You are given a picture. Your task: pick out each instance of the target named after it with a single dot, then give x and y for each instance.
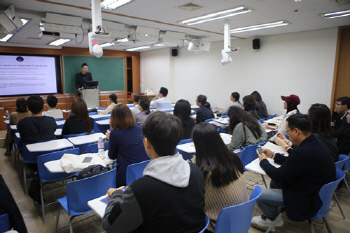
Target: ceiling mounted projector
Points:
(9, 20)
(198, 45)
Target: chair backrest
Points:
(59, 119)
(31, 157)
(79, 192)
(347, 164)
(135, 171)
(93, 148)
(163, 106)
(249, 154)
(184, 154)
(93, 113)
(4, 223)
(44, 174)
(326, 194)
(207, 221)
(237, 218)
(261, 120)
(341, 162)
(73, 135)
(240, 153)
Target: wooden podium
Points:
(91, 97)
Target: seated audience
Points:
(135, 109)
(160, 102)
(249, 105)
(204, 112)
(79, 121)
(261, 106)
(37, 127)
(235, 99)
(125, 141)
(112, 102)
(245, 129)
(51, 100)
(320, 116)
(183, 111)
(170, 195)
(20, 113)
(144, 111)
(290, 103)
(340, 125)
(225, 183)
(301, 177)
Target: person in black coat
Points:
(182, 110)
(302, 174)
(82, 77)
(249, 105)
(204, 112)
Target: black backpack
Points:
(91, 171)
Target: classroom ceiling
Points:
(302, 15)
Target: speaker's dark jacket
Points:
(81, 78)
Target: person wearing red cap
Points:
(290, 103)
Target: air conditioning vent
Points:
(192, 7)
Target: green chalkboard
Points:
(109, 72)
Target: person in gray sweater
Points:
(245, 129)
(261, 106)
(144, 111)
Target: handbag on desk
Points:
(91, 171)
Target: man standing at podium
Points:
(82, 77)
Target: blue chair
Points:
(46, 176)
(184, 154)
(82, 147)
(326, 194)
(29, 158)
(261, 120)
(79, 192)
(101, 128)
(4, 223)
(207, 221)
(93, 113)
(135, 171)
(240, 153)
(347, 164)
(249, 155)
(234, 219)
(73, 135)
(59, 119)
(270, 117)
(340, 165)
(94, 149)
(101, 109)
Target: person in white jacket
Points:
(290, 103)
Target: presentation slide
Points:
(27, 75)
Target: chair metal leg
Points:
(279, 216)
(336, 200)
(70, 224)
(311, 226)
(347, 185)
(24, 179)
(263, 178)
(58, 218)
(42, 203)
(327, 225)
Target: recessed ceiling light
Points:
(258, 27)
(336, 14)
(6, 38)
(139, 48)
(216, 15)
(24, 21)
(113, 4)
(107, 44)
(59, 42)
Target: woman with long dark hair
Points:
(261, 106)
(182, 110)
(79, 121)
(245, 129)
(144, 111)
(125, 141)
(249, 105)
(225, 183)
(291, 105)
(204, 112)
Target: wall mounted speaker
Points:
(174, 52)
(256, 44)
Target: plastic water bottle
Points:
(100, 146)
(7, 115)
